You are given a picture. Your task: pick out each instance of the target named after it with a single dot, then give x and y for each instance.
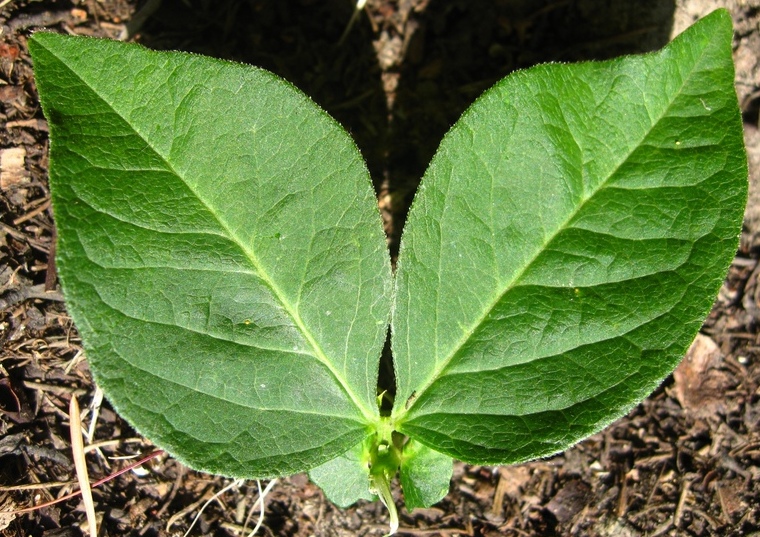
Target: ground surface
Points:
(684, 462)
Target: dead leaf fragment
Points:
(729, 494)
(700, 385)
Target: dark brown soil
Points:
(684, 462)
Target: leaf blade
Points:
(345, 479)
(556, 206)
(196, 223)
(425, 475)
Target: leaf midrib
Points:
(263, 275)
(398, 418)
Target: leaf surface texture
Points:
(565, 246)
(221, 253)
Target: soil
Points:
(686, 461)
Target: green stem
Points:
(380, 484)
(384, 461)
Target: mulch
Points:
(686, 461)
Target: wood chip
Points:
(7, 508)
(12, 170)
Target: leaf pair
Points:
(223, 258)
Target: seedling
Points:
(221, 253)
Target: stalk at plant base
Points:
(385, 458)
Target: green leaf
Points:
(564, 247)
(425, 475)
(221, 254)
(345, 479)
